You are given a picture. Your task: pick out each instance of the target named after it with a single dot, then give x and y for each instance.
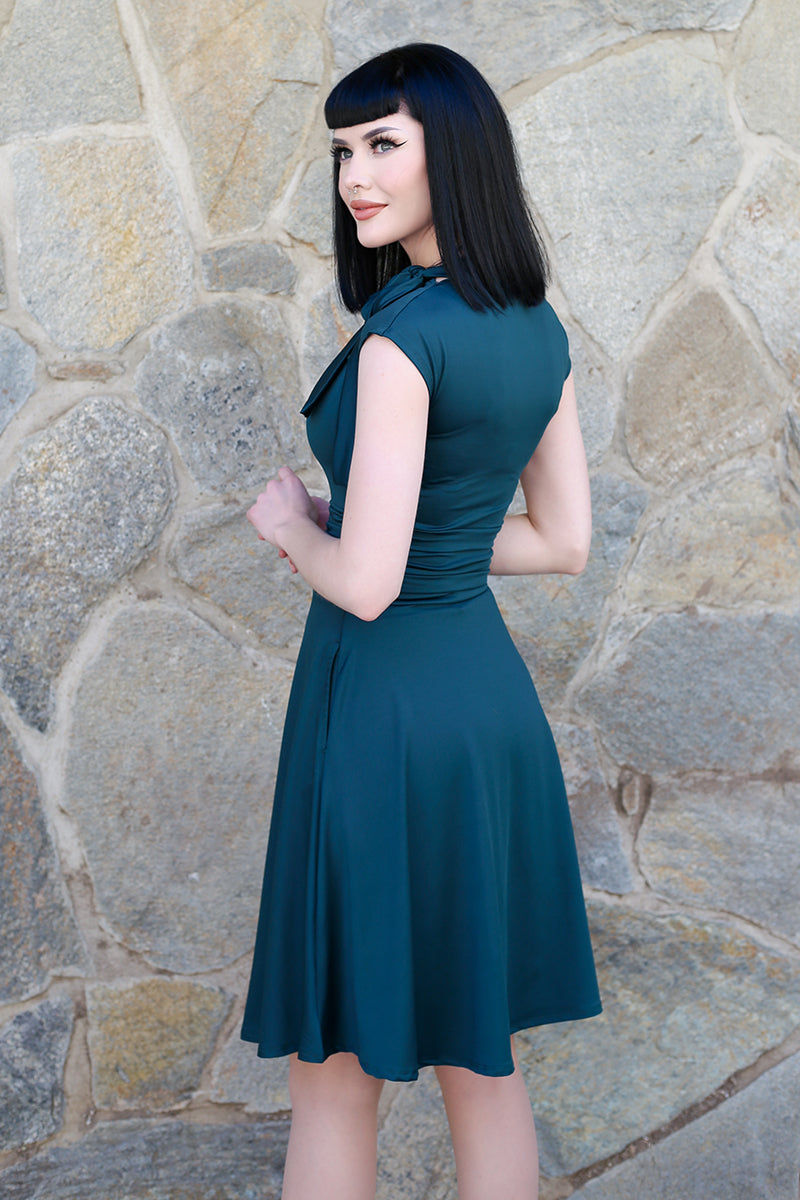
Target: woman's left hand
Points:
(284, 501)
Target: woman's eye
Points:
(383, 144)
(341, 153)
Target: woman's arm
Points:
(553, 536)
(362, 571)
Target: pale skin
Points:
(332, 1146)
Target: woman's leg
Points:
(494, 1140)
(333, 1138)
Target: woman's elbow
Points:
(370, 602)
(576, 554)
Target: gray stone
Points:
(601, 851)
(414, 1144)
(86, 503)
(686, 1003)
(259, 265)
(64, 63)
(692, 691)
(714, 396)
(100, 223)
(223, 379)
(727, 844)
(329, 327)
(239, 1076)
(17, 367)
(760, 254)
(733, 540)
(768, 48)
(3, 296)
(33, 1050)
(218, 554)
(597, 406)
(38, 933)
(554, 34)
(242, 139)
(747, 1147)
(554, 619)
(169, 773)
(150, 1040)
(168, 1160)
(310, 217)
(627, 162)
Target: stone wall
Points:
(166, 301)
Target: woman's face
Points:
(383, 180)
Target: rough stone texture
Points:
(686, 1004)
(84, 506)
(263, 266)
(554, 34)
(768, 49)
(149, 1041)
(17, 366)
(224, 380)
(174, 820)
(33, 1050)
(310, 214)
(243, 127)
(597, 406)
(170, 1160)
(218, 554)
(554, 619)
(748, 1147)
(627, 162)
(64, 63)
(727, 844)
(241, 1077)
(99, 223)
(414, 1154)
(692, 691)
(734, 540)
(760, 254)
(3, 296)
(328, 328)
(697, 393)
(601, 851)
(37, 932)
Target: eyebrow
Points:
(366, 136)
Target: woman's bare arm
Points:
(553, 535)
(362, 571)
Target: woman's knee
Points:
(339, 1081)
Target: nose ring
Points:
(354, 189)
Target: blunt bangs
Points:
(367, 94)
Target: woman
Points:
(421, 898)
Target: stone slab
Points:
(554, 619)
(715, 398)
(602, 854)
(85, 505)
(38, 934)
(760, 254)
(167, 1160)
(726, 843)
(64, 63)
(768, 48)
(33, 1050)
(171, 762)
(99, 222)
(747, 1147)
(262, 266)
(695, 691)
(597, 404)
(17, 367)
(733, 540)
(218, 554)
(223, 379)
(3, 293)
(686, 1004)
(239, 1076)
(242, 139)
(311, 213)
(414, 1152)
(149, 1041)
(627, 162)
(328, 327)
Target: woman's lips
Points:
(363, 210)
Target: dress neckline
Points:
(408, 280)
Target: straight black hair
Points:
(490, 247)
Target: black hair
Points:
(490, 247)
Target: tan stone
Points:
(103, 251)
(310, 214)
(328, 328)
(242, 77)
(149, 1041)
(697, 393)
(734, 540)
(768, 54)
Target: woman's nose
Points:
(352, 175)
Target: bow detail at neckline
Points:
(405, 281)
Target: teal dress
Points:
(421, 896)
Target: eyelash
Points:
(380, 139)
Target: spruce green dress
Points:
(421, 896)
